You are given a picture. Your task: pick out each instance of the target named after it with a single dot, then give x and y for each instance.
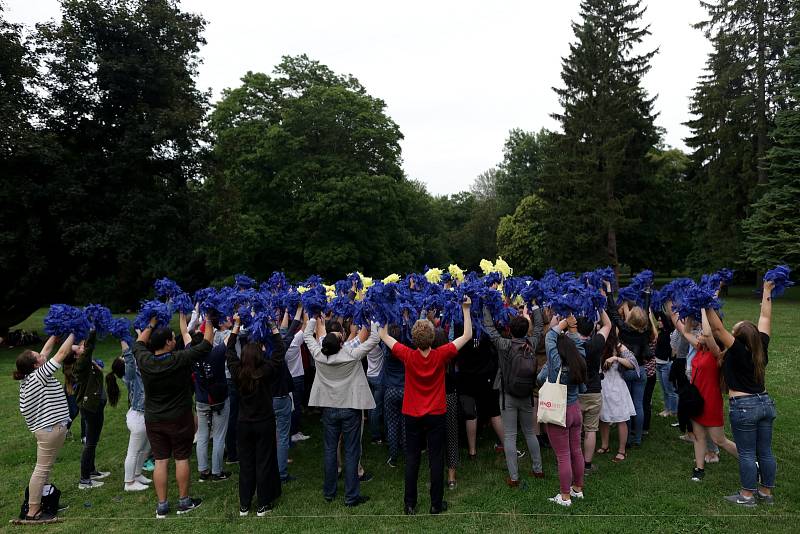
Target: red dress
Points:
(705, 376)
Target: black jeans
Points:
(94, 426)
(648, 400)
(231, 449)
(430, 428)
(258, 463)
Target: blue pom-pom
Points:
(182, 303)
(260, 329)
(277, 282)
(780, 277)
(384, 301)
(353, 277)
(628, 294)
(121, 329)
(341, 306)
(201, 295)
(694, 298)
(362, 313)
(244, 282)
(62, 320)
(314, 300)
(725, 275)
(312, 281)
(153, 308)
(492, 278)
(342, 288)
(493, 301)
(643, 280)
(166, 288)
(100, 318)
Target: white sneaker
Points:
(295, 437)
(559, 500)
(141, 479)
(90, 485)
(99, 475)
(576, 494)
(136, 486)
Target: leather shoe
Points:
(435, 510)
(361, 499)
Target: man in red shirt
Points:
(424, 403)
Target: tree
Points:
(594, 175)
(520, 237)
(521, 168)
(734, 105)
(773, 228)
(27, 229)
(311, 163)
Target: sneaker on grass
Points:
(560, 500)
(188, 504)
(89, 484)
(741, 500)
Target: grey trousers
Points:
(519, 409)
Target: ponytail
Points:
(112, 388)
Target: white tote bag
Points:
(553, 402)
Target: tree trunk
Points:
(761, 93)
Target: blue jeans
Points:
(376, 414)
(283, 422)
(297, 395)
(667, 389)
(347, 423)
(211, 425)
(751, 422)
(636, 383)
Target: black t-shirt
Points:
(738, 368)
(477, 364)
(593, 348)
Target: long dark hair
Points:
(251, 371)
(748, 334)
(112, 388)
(572, 358)
(610, 348)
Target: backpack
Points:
(216, 387)
(519, 369)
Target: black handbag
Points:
(50, 501)
(690, 402)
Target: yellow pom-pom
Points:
(366, 280)
(302, 289)
(392, 279)
(486, 266)
(455, 272)
(330, 291)
(502, 267)
(434, 275)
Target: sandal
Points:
(616, 458)
(602, 450)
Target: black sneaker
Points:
(434, 510)
(366, 477)
(410, 510)
(391, 462)
(223, 475)
(243, 511)
(698, 474)
(361, 499)
(204, 477)
(186, 507)
(263, 510)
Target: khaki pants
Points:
(48, 442)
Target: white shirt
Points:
(294, 358)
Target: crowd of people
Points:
(410, 384)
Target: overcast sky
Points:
(455, 75)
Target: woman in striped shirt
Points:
(44, 405)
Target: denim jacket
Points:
(133, 381)
(550, 370)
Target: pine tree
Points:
(593, 177)
(773, 229)
(734, 104)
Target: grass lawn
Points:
(651, 491)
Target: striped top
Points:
(41, 398)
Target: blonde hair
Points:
(637, 319)
(422, 334)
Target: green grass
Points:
(651, 491)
